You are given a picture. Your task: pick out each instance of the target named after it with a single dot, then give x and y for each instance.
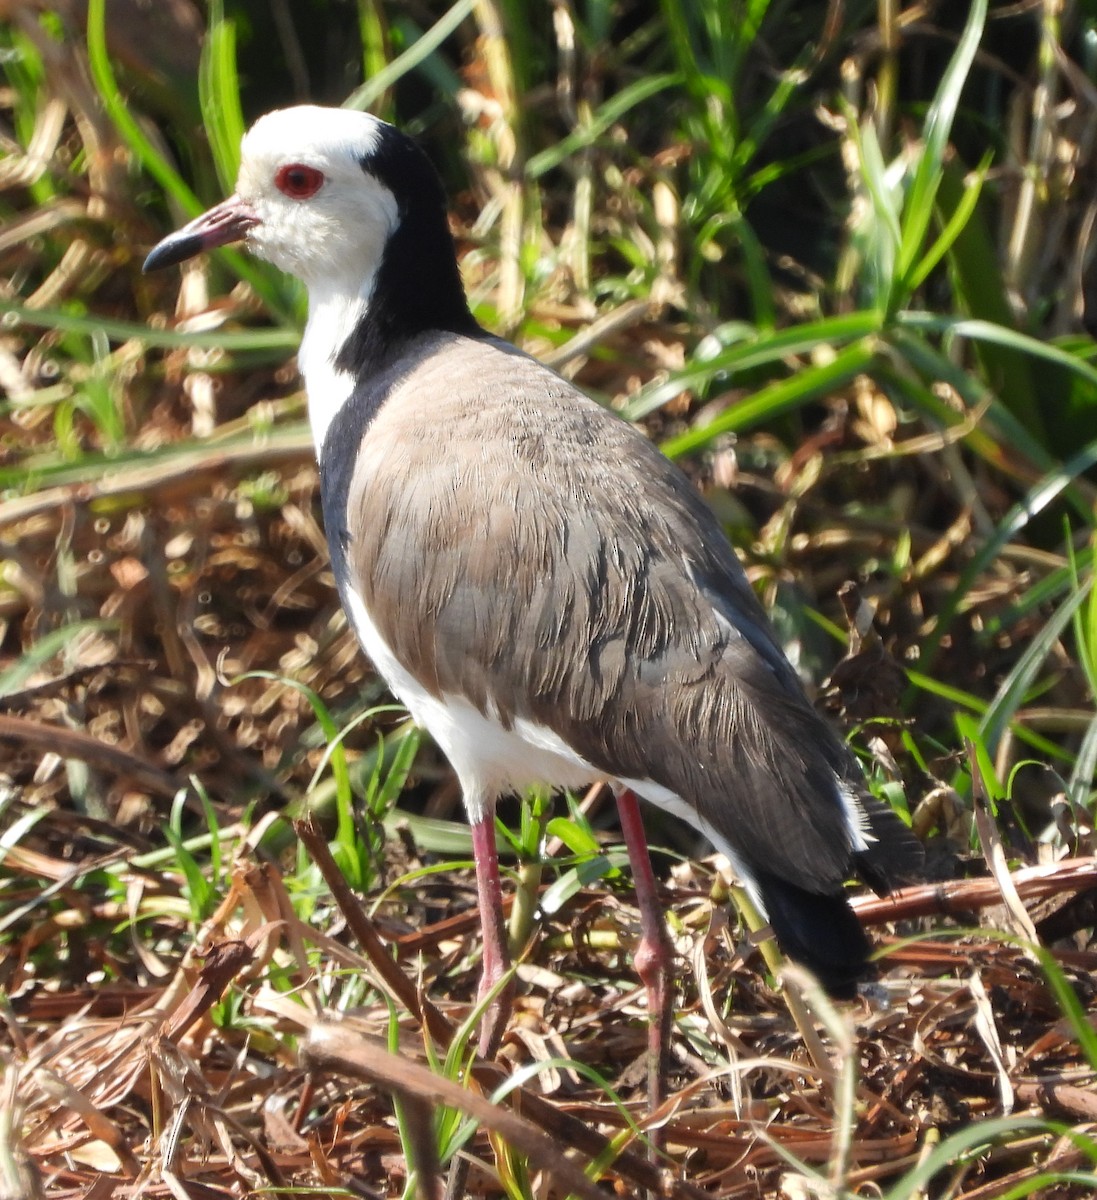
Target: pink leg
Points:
(496, 961)
(654, 955)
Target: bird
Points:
(549, 595)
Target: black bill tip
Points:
(226, 222)
(175, 248)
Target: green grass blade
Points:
(388, 792)
(999, 335)
(214, 827)
(977, 1137)
(15, 676)
(963, 699)
(345, 832)
(364, 97)
(283, 339)
(778, 398)
(579, 840)
(751, 352)
(877, 233)
(956, 222)
(918, 210)
(198, 888)
(1066, 997)
(1085, 618)
(1014, 688)
(576, 878)
(1036, 501)
(17, 829)
(102, 74)
(219, 94)
(981, 291)
(1080, 786)
(605, 116)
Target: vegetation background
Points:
(838, 259)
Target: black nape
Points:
(418, 287)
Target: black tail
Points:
(818, 931)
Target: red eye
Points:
(298, 181)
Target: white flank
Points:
(489, 760)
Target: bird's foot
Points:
(654, 962)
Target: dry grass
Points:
(227, 1072)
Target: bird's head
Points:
(354, 209)
(319, 194)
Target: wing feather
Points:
(520, 546)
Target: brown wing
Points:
(518, 545)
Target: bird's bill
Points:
(226, 222)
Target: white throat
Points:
(333, 315)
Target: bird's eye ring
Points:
(298, 181)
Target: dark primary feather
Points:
(518, 545)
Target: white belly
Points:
(490, 760)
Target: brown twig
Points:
(72, 743)
(368, 938)
(956, 896)
(334, 1047)
(224, 961)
